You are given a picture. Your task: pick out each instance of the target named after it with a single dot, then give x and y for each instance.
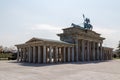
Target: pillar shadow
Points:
(37, 64)
(89, 62)
(53, 64)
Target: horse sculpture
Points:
(87, 24)
(74, 25)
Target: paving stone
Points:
(109, 70)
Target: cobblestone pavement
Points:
(109, 70)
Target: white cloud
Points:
(8, 40)
(44, 31)
(45, 27)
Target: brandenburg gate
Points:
(76, 44)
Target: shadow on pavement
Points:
(53, 64)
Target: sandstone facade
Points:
(76, 44)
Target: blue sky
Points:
(21, 20)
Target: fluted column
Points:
(68, 54)
(21, 55)
(90, 45)
(101, 54)
(18, 53)
(76, 50)
(24, 54)
(110, 54)
(50, 54)
(64, 53)
(34, 54)
(97, 51)
(44, 54)
(94, 51)
(106, 55)
(56, 55)
(29, 54)
(88, 51)
(72, 54)
(39, 54)
(83, 48)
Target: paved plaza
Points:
(109, 70)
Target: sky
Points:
(20, 20)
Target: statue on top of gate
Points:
(86, 24)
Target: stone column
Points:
(44, 54)
(101, 54)
(64, 53)
(76, 50)
(30, 52)
(90, 45)
(88, 51)
(24, 54)
(83, 48)
(50, 54)
(111, 54)
(94, 51)
(72, 54)
(97, 51)
(56, 55)
(39, 54)
(47, 54)
(68, 54)
(18, 53)
(108, 54)
(34, 54)
(27, 54)
(21, 55)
